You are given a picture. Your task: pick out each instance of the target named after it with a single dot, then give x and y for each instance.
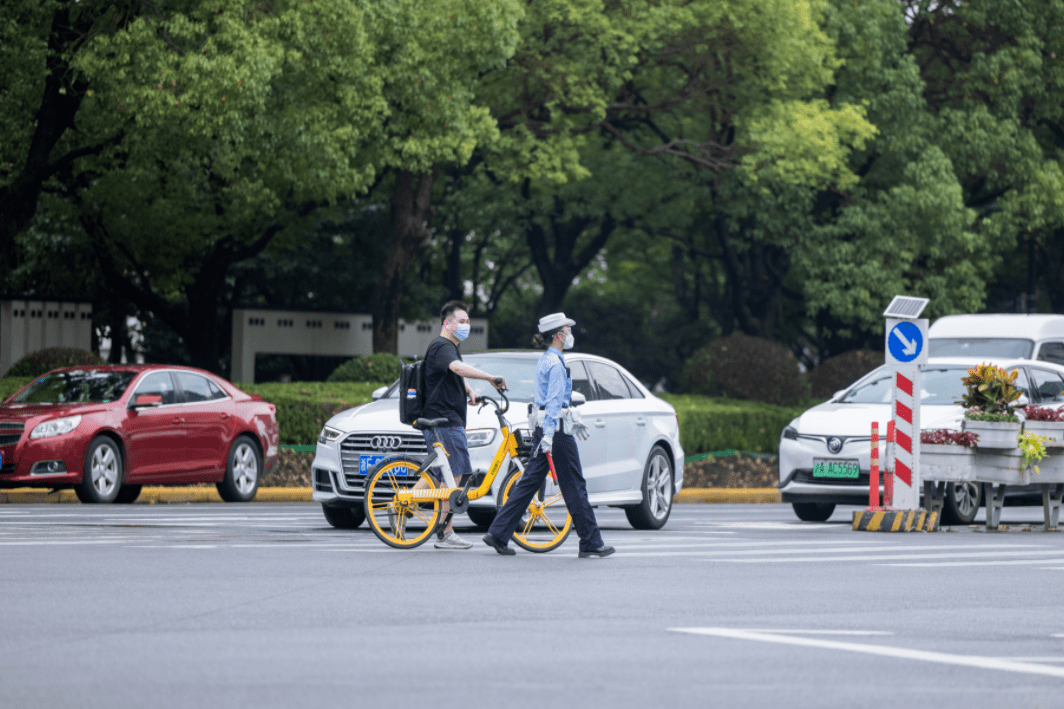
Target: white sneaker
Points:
(452, 541)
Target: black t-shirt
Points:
(450, 399)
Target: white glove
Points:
(546, 443)
(576, 425)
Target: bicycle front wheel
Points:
(396, 520)
(545, 524)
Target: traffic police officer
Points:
(554, 389)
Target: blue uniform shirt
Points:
(554, 388)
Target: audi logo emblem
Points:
(385, 443)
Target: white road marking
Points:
(892, 557)
(816, 632)
(983, 663)
(1032, 659)
(870, 552)
(989, 562)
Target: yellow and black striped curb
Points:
(160, 495)
(168, 495)
(895, 521)
(728, 494)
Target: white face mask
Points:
(569, 340)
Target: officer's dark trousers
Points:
(570, 480)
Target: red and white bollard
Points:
(888, 470)
(873, 473)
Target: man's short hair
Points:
(449, 308)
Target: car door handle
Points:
(178, 419)
(640, 421)
(599, 423)
(224, 417)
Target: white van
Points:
(999, 337)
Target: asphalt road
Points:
(728, 606)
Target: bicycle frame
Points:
(507, 452)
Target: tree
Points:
(238, 120)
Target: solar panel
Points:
(906, 307)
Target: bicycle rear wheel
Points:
(397, 523)
(545, 524)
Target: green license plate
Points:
(836, 469)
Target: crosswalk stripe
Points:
(899, 557)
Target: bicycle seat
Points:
(422, 424)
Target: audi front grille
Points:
(358, 444)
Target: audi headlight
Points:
(790, 433)
(328, 435)
(479, 437)
(55, 427)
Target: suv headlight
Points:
(478, 437)
(328, 435)
(790, 433)
(55, 427)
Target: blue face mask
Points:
(461, 332)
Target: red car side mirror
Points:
(145, 401)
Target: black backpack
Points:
(412, 398)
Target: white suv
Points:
(633, 458)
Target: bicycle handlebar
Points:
(501, 410)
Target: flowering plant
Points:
(1043, 413)
(1033, 447)
(991, 394)
(944, 436)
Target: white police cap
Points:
(554, 321)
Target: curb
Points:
(895, 521)
(171, 495)
(715, 495)
(158, 495)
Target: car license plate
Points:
(841, 468)
(366, 463)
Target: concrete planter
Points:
(993, 434)
(1052, 430)
(947, 463)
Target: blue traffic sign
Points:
(905, 342)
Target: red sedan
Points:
(106, 431)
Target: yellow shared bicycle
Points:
(404, 495)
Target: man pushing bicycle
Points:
(553, 446)
(445, 376)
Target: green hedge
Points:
(304, 407)
(9, 385)
(715, 424)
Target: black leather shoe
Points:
(601, 551)
(499, 546)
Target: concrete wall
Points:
(30, 325)
(327, 334)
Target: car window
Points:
(1022, 383)
(582, 382)
(159, 384)
(1052, 352)
(77, 386)
(938, 386)
(990, 347)
(194, 387)
(1049, 386)
(216, 391)
(637, 393)
(609, 382)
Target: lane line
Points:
(781, 631)
(891, 557)
(991, 562)
(976, 661)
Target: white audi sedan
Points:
(632, 459)
(837, 435)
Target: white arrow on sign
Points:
(910, 346)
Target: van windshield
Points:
(990, 347)
(939, 387)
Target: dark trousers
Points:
(570, 480)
